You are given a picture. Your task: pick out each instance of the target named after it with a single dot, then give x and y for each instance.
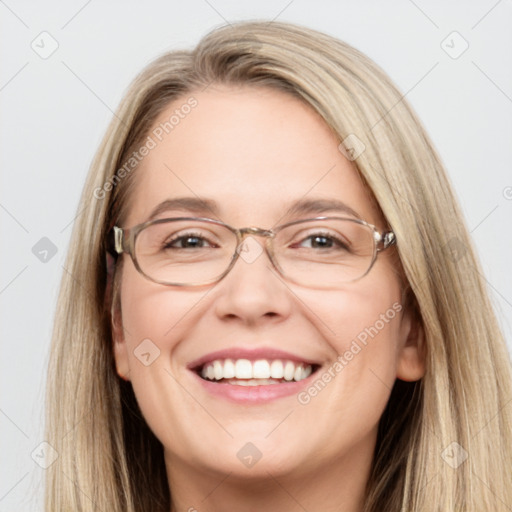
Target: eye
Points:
(188, 241)
(322, 241)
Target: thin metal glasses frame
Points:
(124, 240)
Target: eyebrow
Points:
(204, 206)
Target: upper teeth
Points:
(259, 369)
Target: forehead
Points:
(253, 151)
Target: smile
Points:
(243, 372)
(253, 375)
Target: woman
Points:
(273, 302)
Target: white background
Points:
(55, 111)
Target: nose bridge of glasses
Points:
(255, 231)
(244, 233)
(248, 248)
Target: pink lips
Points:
(251, 394)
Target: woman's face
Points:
(254, 152)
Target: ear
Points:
(116, 322)
(412, 351)
(120, 346)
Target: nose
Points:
(253, 292)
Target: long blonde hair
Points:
(444, 442)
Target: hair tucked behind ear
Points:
(108, 457)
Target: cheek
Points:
(362, 311)
(155, 318)
(362, 325)
(156, 312)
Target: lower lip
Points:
(254, 394)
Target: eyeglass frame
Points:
(124, 243)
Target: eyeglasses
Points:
(323, 252)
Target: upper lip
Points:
(250, 354)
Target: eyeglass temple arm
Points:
(388, 238)
(118, 240)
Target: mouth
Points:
(253, 376)
(258, 372)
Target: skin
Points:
(255, 150)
